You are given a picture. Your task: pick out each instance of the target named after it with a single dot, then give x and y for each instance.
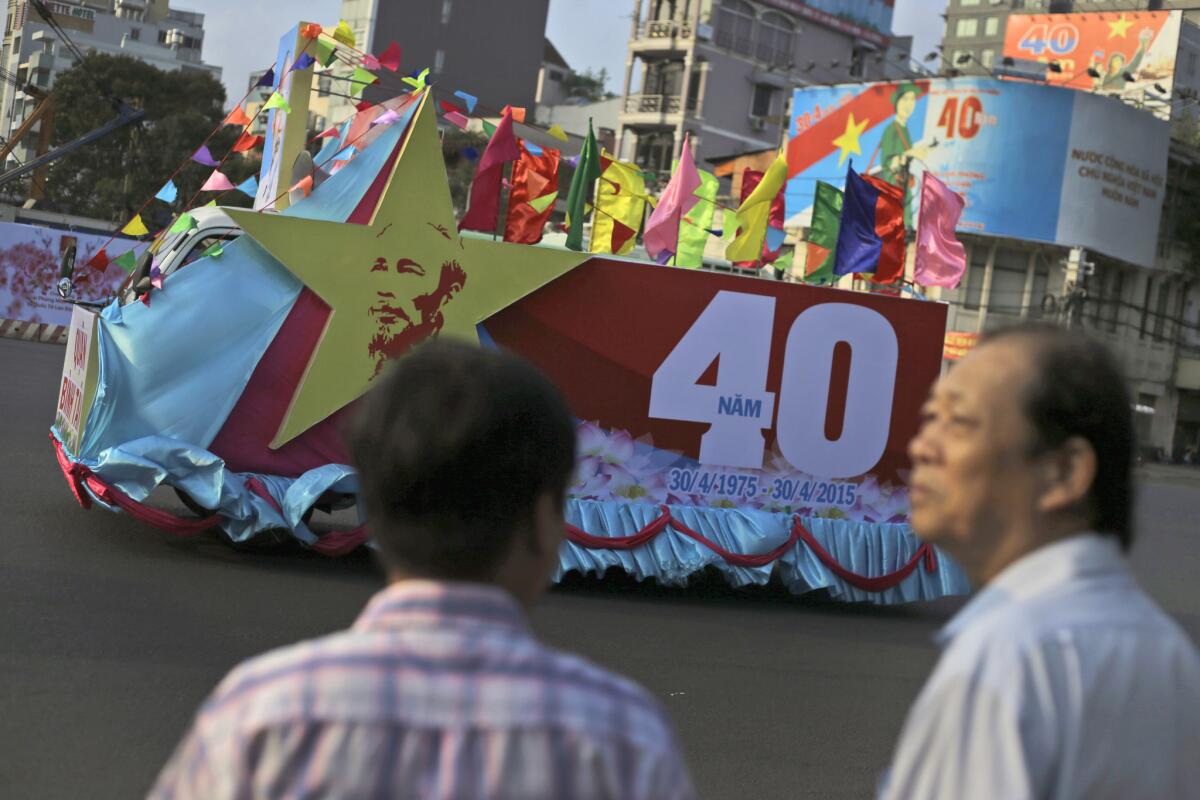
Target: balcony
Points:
(653, 104)
(662, 36)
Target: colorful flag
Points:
(754, 214)
(184, 222)
(237, 117)
(390, 58)
(167, 193)
(247, 141)
(203, 156)
(557, 132)
(580, 195)
(469, 99)
(483, 210)
(361, 79)
(135, 227)
(662, 229)
(774, 236)
(276, 101)
(518, 112)
(531, 200)
(343, 33)
(697, 223)
(457, 120)
(249, 187)
(620, 206)
(417, 79)
(325, 52)
(217, 182)
(303, 62)
(126, 261)
(823, 233)
(941, 258)
(370, 62)
(99, 261)
(267, 79)
(871, 233)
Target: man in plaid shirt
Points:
(440, 690)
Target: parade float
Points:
(751, 426)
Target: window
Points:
(975, 272)
(1008, 281)
(1037, 293)
(664, 78)
(1160, 311)
(987, 58)
(556, 76)
(966, 3)
(966, 28)
(445, 12)
(960, 58)
(1112, 300)
(775, 32)
(135, 33)
(48, 46)
(1191, 63)
(991, 26)
(760, 106)
(439, 60)
(735, 26)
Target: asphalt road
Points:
(111, 634)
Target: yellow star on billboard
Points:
(405, 276)
(1119, 27)
(848, 143)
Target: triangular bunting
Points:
(167, 193)
(343, 34)
(203, 156)
(135, 227)
(249, 187)
(184, 222)
(390, 58)
(276, 101)
(217, 182)
(237, 117)
(557, 132)
(126, 261)
(247, 141)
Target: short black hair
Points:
(453, 448)
(1076, 388)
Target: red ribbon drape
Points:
(924, 553)
(339, 543)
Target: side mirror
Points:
(66, 271)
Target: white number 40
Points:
(735, 330)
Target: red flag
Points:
(390, 58)
(448, 107)
(484, 208)
(100, 261)
(533, 177)
(621, 234)
(363, 105)
(237, 117)
(247, 141)
(750, 179)
(889, 226)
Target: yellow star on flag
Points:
(1119, 27)
(405, 276)
(848, 143)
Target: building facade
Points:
(492, 50)
(722, 71)
(148, 30)
(1149, 317)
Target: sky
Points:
(240, 35)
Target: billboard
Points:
(1116, 47)
(1034, 162)
(29, 259)
(808, 409)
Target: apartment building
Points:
(723, 70)
(493, 49)
(148, 30)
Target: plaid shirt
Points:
(438, 691)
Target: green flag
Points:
(580, 195)
(126, 261)
(694, 230)
(823, 233)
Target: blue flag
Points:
(249, 186)
(167, 193)
(871, 234)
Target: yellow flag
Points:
(557, 132)
(343, 34)
(755, 212)
(620, 204)
(135, 227)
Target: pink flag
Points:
(217, 182)
(456, 119)
(941, 258)
(662, 230)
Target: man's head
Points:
(1028, 439)
(464, 456)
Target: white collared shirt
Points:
(1060, 679)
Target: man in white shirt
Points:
(1061, 678)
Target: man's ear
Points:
(547, 531)
(1068, 473)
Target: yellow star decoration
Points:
(848, 141)
(403, 277)
(1119, 27)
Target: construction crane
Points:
(44, 112)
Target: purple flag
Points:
(662, 229)
(941, 258)
(202, 156)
